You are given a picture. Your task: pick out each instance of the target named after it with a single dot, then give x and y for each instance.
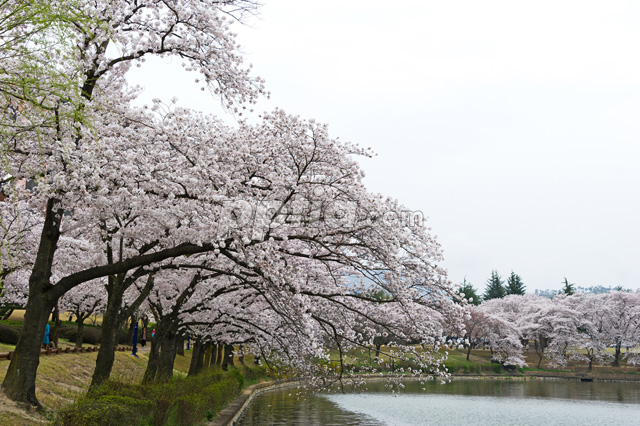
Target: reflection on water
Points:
(478, 402)
(290, 407)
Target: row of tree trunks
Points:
(164, 347)
(209, 355)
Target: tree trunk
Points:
(132, 327)
(539, 359)
(161, 356)
(214, 356)
(378, 346)
(219, 354)
(207, 355)
(109, 340)
(55, 317)
(196, 358)
(228, 357)
(180, 345)
(79, 337)
(162, 352)
(231, 354)
(20, 381)
(540, 346)
(225, 358)
(468, 351)
(616, 359)
(203, 347)
(167, 357)
(153, 364)
(241, 355)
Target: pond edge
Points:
(232, 413)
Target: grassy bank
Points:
(181, 402)
(63, 380)
(479, 363)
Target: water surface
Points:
(477, 402)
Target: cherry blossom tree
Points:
(66, 129)
(577, 327)
(129, 194)
(621, 321)
(502, 336)
(19, 223)
(590, 342)
(526, 313)
(82, 302)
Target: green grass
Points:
(12, 323)
(5, 347)
(552, 370)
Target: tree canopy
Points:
(514, 285)
(495, 287)
(469, 293)
(260, 234)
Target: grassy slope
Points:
(63, 378)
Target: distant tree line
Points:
(579, 328)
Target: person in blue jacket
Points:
(46, 340)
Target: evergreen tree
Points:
(514, 284)
(495, 287)
(568, 288)
(469, 292)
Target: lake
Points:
(461, 402)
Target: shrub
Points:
(90, 335)
(68, 332)
(8, 334)
(123, 338)
(105, 410)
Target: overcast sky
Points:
(512, 125)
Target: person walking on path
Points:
(143, 339)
